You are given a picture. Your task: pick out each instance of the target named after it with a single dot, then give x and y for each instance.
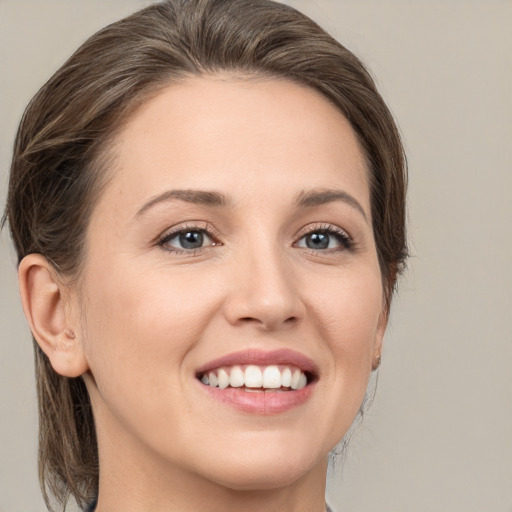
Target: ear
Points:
(46, 305)
(379, 338)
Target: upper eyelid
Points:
(321, 226)
(174, 234)
(344, 238)
(163, 240)
(189, 226)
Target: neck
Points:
(186, 492)
(136, 477)
(135, 482)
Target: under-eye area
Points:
(254, 378)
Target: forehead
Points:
(209, 132)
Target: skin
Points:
(147, 316)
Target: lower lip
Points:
(260, 402)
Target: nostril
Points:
(247, 319)
(268, 322)
(291, 320)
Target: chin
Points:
(252, 477)
(265, 466)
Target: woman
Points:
(207, 201)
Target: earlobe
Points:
(44, 304)
(379, 339)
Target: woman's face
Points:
(234, 238)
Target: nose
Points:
(264, 292)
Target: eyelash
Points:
(187, 228)
(345, 240)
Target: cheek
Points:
(348, 317)
(139, 330)
(348, 308)
(143, 321)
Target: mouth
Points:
(253, 378)
(260, 382)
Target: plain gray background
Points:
(439, 435)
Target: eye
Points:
(332, 238)
(187, 240)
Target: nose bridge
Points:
(264, 291)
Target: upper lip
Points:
(262, 358)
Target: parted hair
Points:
(60, 160)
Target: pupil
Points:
(318, 241)
(191, 240)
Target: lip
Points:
(262, 358)
(261, 402)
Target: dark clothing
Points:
(91, 506)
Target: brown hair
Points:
(59, 163)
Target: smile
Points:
(260, 382)
(253, 378)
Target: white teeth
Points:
(295, 379)
(223, 379)
(286, 378)
(253, 377)
(271, 377)
(236, 377)
(302, 381)
(214, 381)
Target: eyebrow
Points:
(305, 199)
(189, 196)
(311, 198)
